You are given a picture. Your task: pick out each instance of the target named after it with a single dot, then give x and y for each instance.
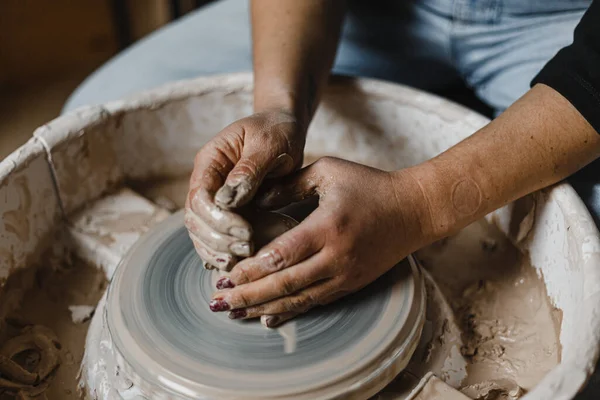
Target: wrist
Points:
(296, 97)
(285, 102)
(412, 208)
(448, 197)
(426, 191)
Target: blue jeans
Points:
(495, 46)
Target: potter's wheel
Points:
(172, 346)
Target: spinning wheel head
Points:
(169, 341)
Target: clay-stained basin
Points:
(65, 194)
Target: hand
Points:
(227, 173)
(366, 222)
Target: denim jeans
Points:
(495, 46)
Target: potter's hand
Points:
(227, 173)
(367, 220)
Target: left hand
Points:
(366, 222)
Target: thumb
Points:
(249, 172)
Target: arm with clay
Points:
(294, 47)
(367, 219)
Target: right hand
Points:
(228, 171)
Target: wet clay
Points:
(436, 389)
(43, 335)
(509, 331)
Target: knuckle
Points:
(274, 260)
(247, 167)
(241, 300)
(255, 311)
(241, 275)
(324, 162)
(188, 218)
(286, 286)
(193, 196)
(203, 153)
(338, 225)
(300, 303)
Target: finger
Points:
(273, 321)
(271, 287)
(285, 251)
(249, 172)
(290, 189)
(216, 240)
(211, 166)
(220, 220)
(318, 294)
(221, 261)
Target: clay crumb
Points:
(81, 314)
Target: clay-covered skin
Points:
(227, 174)
(266, 227)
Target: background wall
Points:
(48, 47)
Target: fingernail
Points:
(218, 304)
(221, 263)
(237, 314)
(225, 283)
(241, 249)
(272, 322)
(240, 233)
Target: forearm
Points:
(294, 45)
(538, 141)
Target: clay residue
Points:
(436, 389)
(508, 328)
(29, 360)
(43, 321)
(169, 193)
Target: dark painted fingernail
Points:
(240, 233)
(225, 283)
(218, 304)
(272, 322)
(237, 314)
(242, 249)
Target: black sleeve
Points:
(575, 70)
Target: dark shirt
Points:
(574, 71)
